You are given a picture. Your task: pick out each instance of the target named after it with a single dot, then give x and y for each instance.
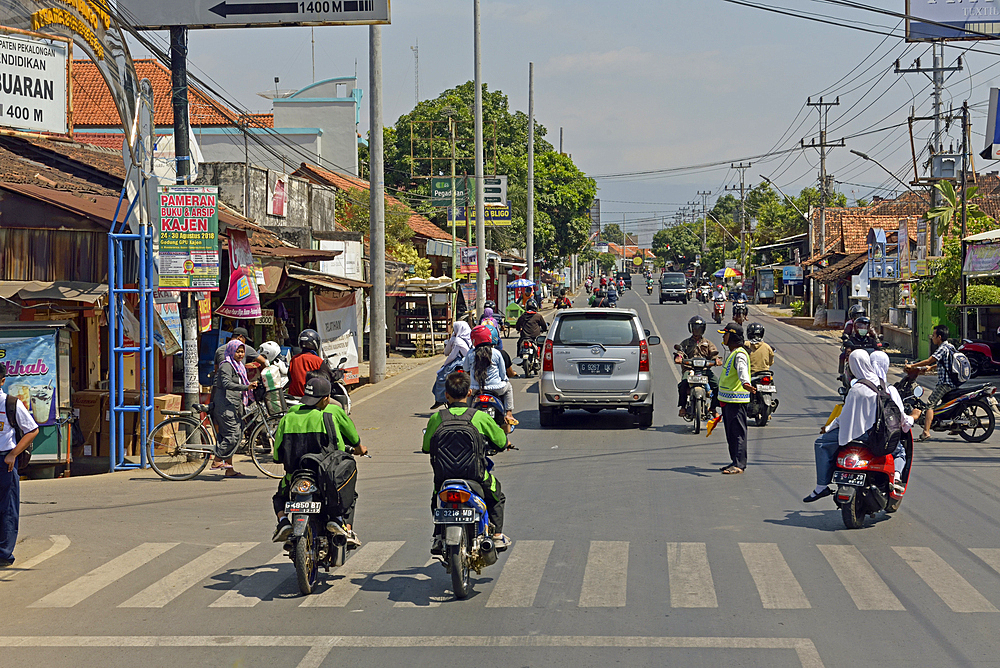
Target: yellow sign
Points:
(637, 261)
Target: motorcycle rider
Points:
(530, 325)
(307, 360)
(941, 358)
(855, 312)
(457, 389)
(880, 362)
(276, 367)
(649, 284)
(563, 301)
(303, 431)
(488, 371)
(736, 294)
(489, 319)
(589, 283)
(697, 346)
(761, 354)
(719, 294)
(740, 313)
(600, 300)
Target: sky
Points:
(646, 85)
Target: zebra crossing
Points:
(515, 582)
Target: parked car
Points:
(596, 360)
(673, 288)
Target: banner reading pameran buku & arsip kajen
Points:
(187, 233)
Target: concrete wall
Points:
(331, 106)
(292, 149)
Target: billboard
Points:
(949, 20)
(187, 236)
(33, 74)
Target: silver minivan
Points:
(595, 359)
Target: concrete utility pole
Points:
(742, 169)
(480, 195)
(705, 194)
(376, 213)
(824, 179)
(452, 211)
(530, 215)
(416, 72)
(179, 100)
(936, 75)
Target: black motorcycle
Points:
(966, 410)
(698, 407)
(527, 351)
(764, 401)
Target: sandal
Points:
(513, 421)
(732, 470)
(222, 466)
(236, 474)
(924, 436)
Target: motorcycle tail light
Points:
(852, 459)
(454, 496)
(765, 380)
(547, 357)
(484, 399)
(643, 356)
(305, 487)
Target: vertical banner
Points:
(468, 260)
(903, 250)
(205, 313)
(337, 322)
(277, 193)
(31, 374)
(187, 237)
(921, 247)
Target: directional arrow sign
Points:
(160, 15)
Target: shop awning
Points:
(70, 291)
(840, 270)
(324, 280)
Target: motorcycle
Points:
(966, 410)
(764, 401)
(339, 392)
(704, 294)
(311, 545)
(649, 288)
(865, 482)
(492, 405)
(719, 311)
(984, 356)
(528, 352)
(849, 345)
(698, 408)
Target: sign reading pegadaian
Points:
(160, 15)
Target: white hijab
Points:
(861, 404)
(459, 343)
(880, 362)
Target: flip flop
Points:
(732, 470)
(237, 474)
(221, 467)
(924, 436)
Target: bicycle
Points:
(180, 447)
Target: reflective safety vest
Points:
(731, 389)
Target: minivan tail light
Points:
(643, 356)
(547, 357)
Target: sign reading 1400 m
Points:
(160, 15)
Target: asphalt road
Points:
(629, 548)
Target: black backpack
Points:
(338, 471)
(884, 435)
(25, 456)
(457, 450)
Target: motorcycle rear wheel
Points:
(854, 517)
(460, 572)
(696, 415)
(763, 416)
(306, 563)
(982, 413)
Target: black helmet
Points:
(532, 305)
(740, 308)
(755, 331)
(697, 323)
(309, 340)
(857, 311)
(865, 323)
(489, 303)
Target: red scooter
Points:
(984, 356)
(719, 311)
(865, 482)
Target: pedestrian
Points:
(17, 430)
(455, 349)
(230, 396)
(251, 355)
(734, 395)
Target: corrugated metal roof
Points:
(71, 291)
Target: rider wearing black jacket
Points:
(697, 346)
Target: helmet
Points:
(862, 325)
(309, 340)
(740, 309)
(490, 304)
(755, 331)
(532, 305)
(856, 312)
(696, 323)
(739, 286)
(481, 334)
(270, 350)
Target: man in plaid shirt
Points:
(941, 358)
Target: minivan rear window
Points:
(587, 329)
(673, 281)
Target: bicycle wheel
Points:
(261, 446)
(179, 448)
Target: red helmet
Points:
(481, 334)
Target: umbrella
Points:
(728, 272)
(520, 283)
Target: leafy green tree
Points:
(951, 210)
(611, 232)
(607, 262)
(351, 211)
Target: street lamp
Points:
(865, 156)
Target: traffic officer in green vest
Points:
(734, 395)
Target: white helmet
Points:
(270, 351)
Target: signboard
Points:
(205, 314)
(277, 193)
(469, 292)
(730, 263)
(496, 216)
(601, 247)
(168, 331)
(468, 260)
(992, 131)
(637, 261)
(921, 269)
(982, 260)
(337, 323)
(33, 90)
(791, 275)
(595, 216)
(242, 301)
(950, 20)
(495, 190)
(187, 235)
(31, 375)
(441, 191)
(159, 15)
(266, 317)
(903, 250)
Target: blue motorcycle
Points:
(467, 532)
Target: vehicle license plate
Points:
(596, 368)
(698, 380)
(847, 478)
(766, 388)
(450, 515)
(303, 507)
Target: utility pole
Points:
(376, 213)
(480, 195)
(705, 194)
(416, 72)
(824, 179)
(936, 75)
(312, 38)
(965, 205)
(560, 140)
(454, 236)
(530, 216)
(742, 169)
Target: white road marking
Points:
(803, 647)
(778, 588)
(168, 588)
(606, 575)
(249, 591)
(691, 584)
(86, 585)
(990, 555)
(866, 588)
(353, 574)
(59, 543)
(521, 575)
(944, 580)
(663, 346)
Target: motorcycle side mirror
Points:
(677, 347)
(918, 391)
(540, 340)
(652, 340)
(646, 331)
(342, 360)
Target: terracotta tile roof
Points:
(841, 269)
(93, 107)
(108, 140)
(420, 225)
(847, 228)
(907, 204)
(631, 251)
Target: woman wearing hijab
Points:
(490, 320)
(455, 349)
(230, 396)
(880, 362)
(857, 417)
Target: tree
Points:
(607, 262)
(946, 273)
(352, 209)
(613, 234)
(679, 244)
